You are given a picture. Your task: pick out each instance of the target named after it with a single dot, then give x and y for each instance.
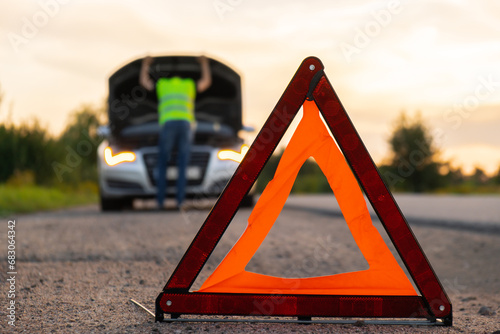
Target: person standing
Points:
(176, 98)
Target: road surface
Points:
(77, 269)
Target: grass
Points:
(32, 198)
(25, 198)
(471, 189)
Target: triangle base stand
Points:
(300, 306)
(310, 321)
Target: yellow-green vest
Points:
(175, 99)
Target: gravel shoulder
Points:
(78, 269)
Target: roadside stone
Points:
(487, 311)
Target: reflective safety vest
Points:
(175, 99)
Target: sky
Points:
(439, 58)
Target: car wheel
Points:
(116, 204)
(247, 201)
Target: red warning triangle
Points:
(384, 277)
(383, 290)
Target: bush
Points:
(29, 152)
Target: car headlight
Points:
(113, 160)
(233, 155)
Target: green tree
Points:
(454, 177)
(27, 150)
(76, 148)
(479, 177)
(310, 178)
(22, 149)
(413, 163)
(496, 178)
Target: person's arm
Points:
(206, 75)
(144, 78)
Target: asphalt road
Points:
(77, 269)
(478, 213)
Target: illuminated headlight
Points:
(113, 160)
(233, 155)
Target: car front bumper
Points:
(207, 175)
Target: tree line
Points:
(31, 155)
(413, 165)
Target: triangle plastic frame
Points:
(309, 82)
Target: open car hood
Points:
(132, 110)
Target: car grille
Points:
(197, 159)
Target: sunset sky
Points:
(441, 58)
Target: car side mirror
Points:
(247, 128)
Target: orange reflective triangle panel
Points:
(383, 290)
(384, 277)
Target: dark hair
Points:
(156, 72)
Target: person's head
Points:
(168, 70)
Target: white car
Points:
(128, 157)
